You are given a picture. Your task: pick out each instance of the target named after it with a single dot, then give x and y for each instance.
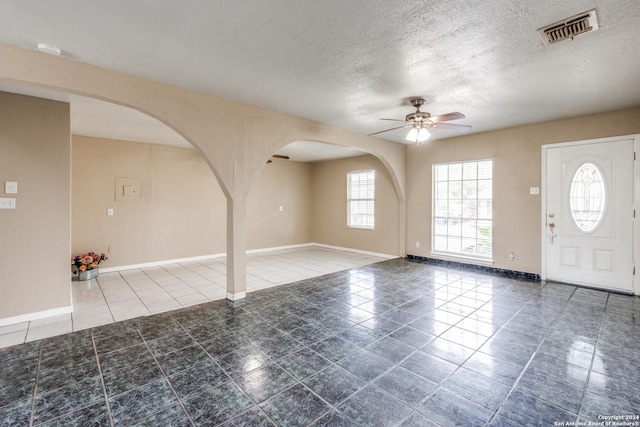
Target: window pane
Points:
(441, 190)
(463, 208)
(454, 227)
(454, 244)
(455, 190)
(440, 226)
(484, 229)
(470, 190)
(455, 208)
(485, 209)
(485, 169)
(469, 246)
(484, 247)
(469, 228)
(441, 172)
(455, 171)
(440, 243)
(441, 208)
(587, 197)
(484, 189)
(470, 171)
(470, 209)
(361, 195)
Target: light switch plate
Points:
(534, 191)
(10, 187)
(7, 203)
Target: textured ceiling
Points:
(349, 63)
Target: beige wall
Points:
(34, 249)
(516, 153)
(281, 183)
(329, 217)
(182, 210)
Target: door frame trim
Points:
(636, 200)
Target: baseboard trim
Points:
(236, 297)
(250, 251)
(35, 316)
(483, 268)
(279, 248)
(161, 263)
(358, 251)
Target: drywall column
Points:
(236, 248)
(35, 152)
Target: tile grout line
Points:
(593, 357)
(140, 299)
(35, 387)
(102, 383)
(459, 366)
(166, 378)
(190, 286)
(524, 369)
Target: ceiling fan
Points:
(420, 121)
(278, 156)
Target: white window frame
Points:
(467, 217)
(363, 219)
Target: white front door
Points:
(588, 199)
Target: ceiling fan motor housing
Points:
(417, 119)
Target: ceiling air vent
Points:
(569, 28)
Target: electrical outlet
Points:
(110, 249)
(417, 244)
(512, 256)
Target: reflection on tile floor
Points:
(392, 343)
(127, 294)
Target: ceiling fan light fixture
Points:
(418, 135)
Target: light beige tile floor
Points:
(125, 294)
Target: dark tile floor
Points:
(393, 343)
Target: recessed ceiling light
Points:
(49, 49)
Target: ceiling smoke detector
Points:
(49, 49)
(569, 28)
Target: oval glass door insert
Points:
(587, 197)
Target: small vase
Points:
(88, 274)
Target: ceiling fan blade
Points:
(387, 130)
(280, 156)
(395, 120)
(446, 117)
(451, 126)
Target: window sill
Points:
(359, 228)
(462, 258)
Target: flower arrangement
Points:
(87, 261)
